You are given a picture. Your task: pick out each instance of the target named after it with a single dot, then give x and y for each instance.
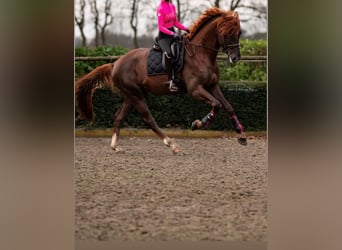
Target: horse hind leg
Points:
(143, 109)
(171, 143)
(119, 116)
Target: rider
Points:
(167, 19)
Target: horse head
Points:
(229, 34)
(224, 25)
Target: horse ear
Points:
(235, 13)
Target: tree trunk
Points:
(80, 22)
(84, 38)
(95, 12)
(108, 19)
(134, 22)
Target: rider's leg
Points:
(165, 43)
(170, 72)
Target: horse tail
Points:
(86, 86)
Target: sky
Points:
(147, 19)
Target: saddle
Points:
(156, 58)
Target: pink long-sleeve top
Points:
(167, 18)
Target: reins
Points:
(192, 53)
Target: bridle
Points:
(226, 47)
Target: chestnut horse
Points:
(215, 28)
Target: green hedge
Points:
(247, 94)
(251, 71)
(84, 67)
(179, 111)
(255, 71)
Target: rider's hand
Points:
(177, 37)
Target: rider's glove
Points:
(176, 37)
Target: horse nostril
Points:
(235, 58)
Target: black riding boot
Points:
(171, 73)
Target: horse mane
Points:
(207, 16)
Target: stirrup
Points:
(172, 86)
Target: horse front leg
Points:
(242, 139)
(206, 120)
(217, 100)
(201, 94)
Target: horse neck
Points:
(207, 39)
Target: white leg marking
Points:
(167, 141)
(170, 143)
(114, 141)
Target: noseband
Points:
(227, 46)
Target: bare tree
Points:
(80, 21)
(216, 3)
(184, 10)
(107, 20)
(256, 10)
(178, 10)
(234, 4)
(134, 21)
(94, 10)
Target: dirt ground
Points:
(214, 189)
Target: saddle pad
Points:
(154, 62)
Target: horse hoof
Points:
(118, 150)
(175, 150)
(196, 124)
(242, 141)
